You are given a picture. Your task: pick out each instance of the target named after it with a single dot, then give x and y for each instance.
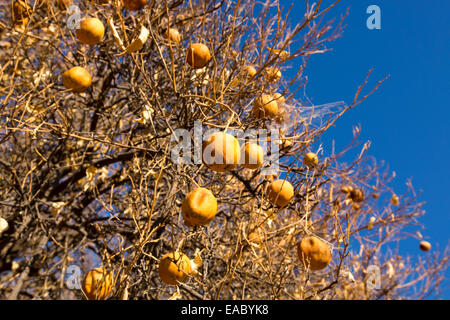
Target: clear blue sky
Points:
(407, 119)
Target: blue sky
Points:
(407, 118)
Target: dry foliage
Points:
(87, 178)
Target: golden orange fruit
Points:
(253, 156)
(279, 98)
(174, 35)
(134, 5)
(174, 267)
(233, 54)
(357, 195)
(314, 253)
(286, 143)
(97, 284)
(255, 237)
(181, 19)
(91, 31)
(311, 159)
(282, 115)
(221, 152)
(265, 106)
(395, 200)
(199, 207)
(280, 192)
(371, 222)
(272, 74)
(77, 79)
(198, 55)
(249, 71)
(425, 245)
(346, 189)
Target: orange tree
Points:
(89, 111)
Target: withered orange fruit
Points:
(198, 55)
(199, 207)
(97, 284)
(272, 74)
(134, 5)
(280, 192)
(395, 200)
(255, 237)
(221, 152)
(253, 156)
(91, 31)
(314, 253)
(279, 98)
(425, 245)
(311, 159)
(77, 79)
(357, 195)
(174, 35)
(265, 106)
(249, 71)
(346, 189)
(174, 267)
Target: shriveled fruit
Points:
(272, 74)
(255, 237)
(279, 98)
(357, 195)
(311, 159)
(253, 155)
(91, 31)
(134, 4)
(221, 152)
(314, 253)
(282, 54)
(77, 79)
(174, 35)
(265, 106)
(280, 192)
(249, 72)
(425, 245)
(199, 207)
(286, 143)
(198, 55)
(97, 284)
(174, 267)
(371, 222)
(346, 189)
(395, 200)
